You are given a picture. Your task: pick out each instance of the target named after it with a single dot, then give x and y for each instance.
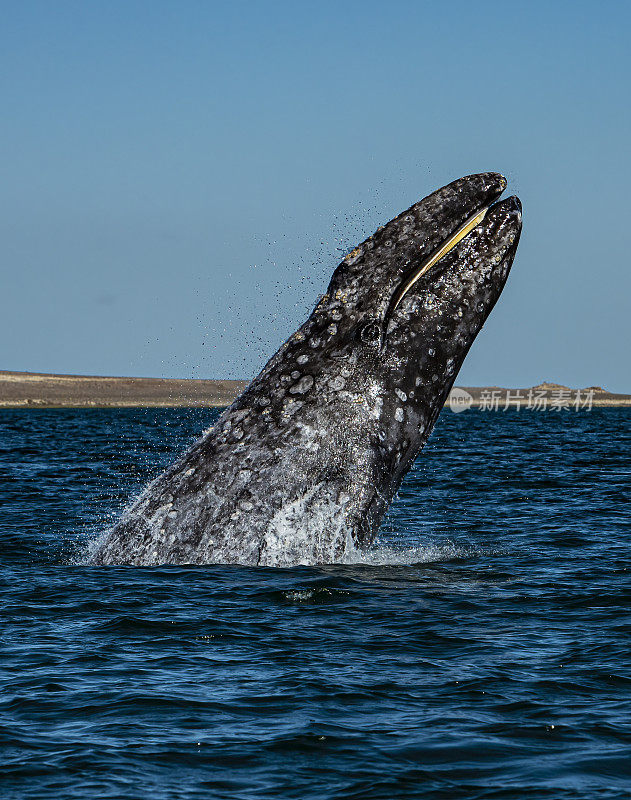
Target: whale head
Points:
(377, 357)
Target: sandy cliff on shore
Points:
(38, 390)
(33, 390)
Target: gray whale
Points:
(302, 466)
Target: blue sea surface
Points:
(482, 650)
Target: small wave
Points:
(320, 594)
(300, 596)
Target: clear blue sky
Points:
(179, 178)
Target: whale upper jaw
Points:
(371, 275)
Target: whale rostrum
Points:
(303, 465)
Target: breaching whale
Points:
(302, 466)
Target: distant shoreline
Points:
(41, 390)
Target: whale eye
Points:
(370, 333)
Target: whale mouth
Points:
(441, 251)
(413, 276)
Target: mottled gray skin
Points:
(304, 463)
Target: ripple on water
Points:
(480, 650)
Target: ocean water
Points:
(481, 650)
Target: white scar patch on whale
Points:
(309, 530)
(374, 397)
